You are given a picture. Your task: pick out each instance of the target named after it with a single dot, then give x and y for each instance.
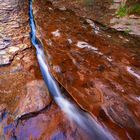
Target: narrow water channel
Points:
(83, 119)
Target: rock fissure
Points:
(78, 50)
(34, 114)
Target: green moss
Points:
(122, 11)
(135, 9)
(127, 31)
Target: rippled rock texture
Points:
(99, 68)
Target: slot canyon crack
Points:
(72, 111)
(70, 78)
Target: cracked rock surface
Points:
(98, 67)
(13, 29)
(26, 108)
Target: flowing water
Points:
(84, 120)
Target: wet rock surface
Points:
(26, 108)
(106, 12)
(99, 68)
(49, 124)
(37, 98)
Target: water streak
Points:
(83, 119)
(130, 70)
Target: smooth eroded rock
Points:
(36, 98)
(96, 66)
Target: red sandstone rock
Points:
(36, 98)
(96, 68)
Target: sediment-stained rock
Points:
(93, 66)
(47, 125)
(36, 98)
(99, 69)
(14, 39)
(118, 14)
(16, 51)
(26, 109)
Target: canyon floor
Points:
(97, 65)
